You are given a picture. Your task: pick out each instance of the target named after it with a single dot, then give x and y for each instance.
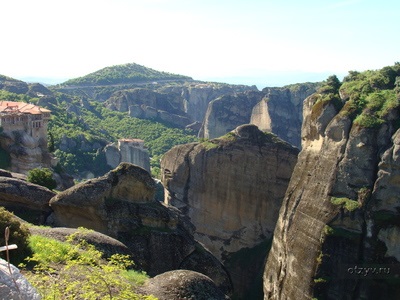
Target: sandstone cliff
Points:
(277, 110)
(27, 200)
(231, 188)
(179, 105)
(121, 204)
(341, 208)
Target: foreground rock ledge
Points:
(121, 204)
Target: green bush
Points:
(347, 203)
(70, 270)
(19, 235)
(43, 177)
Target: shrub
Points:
(19, 235)
(347, 203)
(65, 270)
(43, 177)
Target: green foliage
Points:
(70, 270)
(100, 124)
(328, 230)
(19, 235)
(320, 280)
(43, 177)
(9, 96)
(122, 74)
(371, 95)
(347, 203)
(328, 93)
(208, 145)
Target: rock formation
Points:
(128, 150)
(27, 200)
(121, 204)
(183, 284)
(231, 188)
(341, 208)
(277, 110)
(15, 285)
(227, 112)
(147, 104)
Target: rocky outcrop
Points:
(277, 110)
(25, 152)
(285, 111)
(121, 204)
(227, 112)
(27, 200)
(147, 104)
(15, 285)
(197, 95)
(183, 284)
(128, 150)
(105, 244)
(341, 208)
(231, 188)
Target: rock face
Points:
(27, 200)
(121, 204)
(179, 105)
(227, 112)
(341, 208)
(8, 290)
(147, 104)
(231, 188)
(285, 110)
(183, 284)
(128, 150)
(277, 110)
(25, 152)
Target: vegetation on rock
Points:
(121, 74)
(43, 177)
(89, 129)
(367, 97)
(19, 234)
(76, 270)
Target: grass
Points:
(347, 203)
(76, 270)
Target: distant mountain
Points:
(123, 74)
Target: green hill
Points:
(123, 74)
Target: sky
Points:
(253, 42)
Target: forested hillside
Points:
(123, 74)
(80, 128)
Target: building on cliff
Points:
(21, 116)
(128, 150)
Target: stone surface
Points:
(27, 200)
(107, 245)
(277, 110)
(231, 188)
(314, 238)
(183, 284)
(121, 204)
(15, 285)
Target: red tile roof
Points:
(21, 107)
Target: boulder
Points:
(122, 204)
(183, 284)
(15, 285)
(27, 200)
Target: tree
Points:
(43, 177)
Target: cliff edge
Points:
(341, 208)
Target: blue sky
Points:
(262, 42)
